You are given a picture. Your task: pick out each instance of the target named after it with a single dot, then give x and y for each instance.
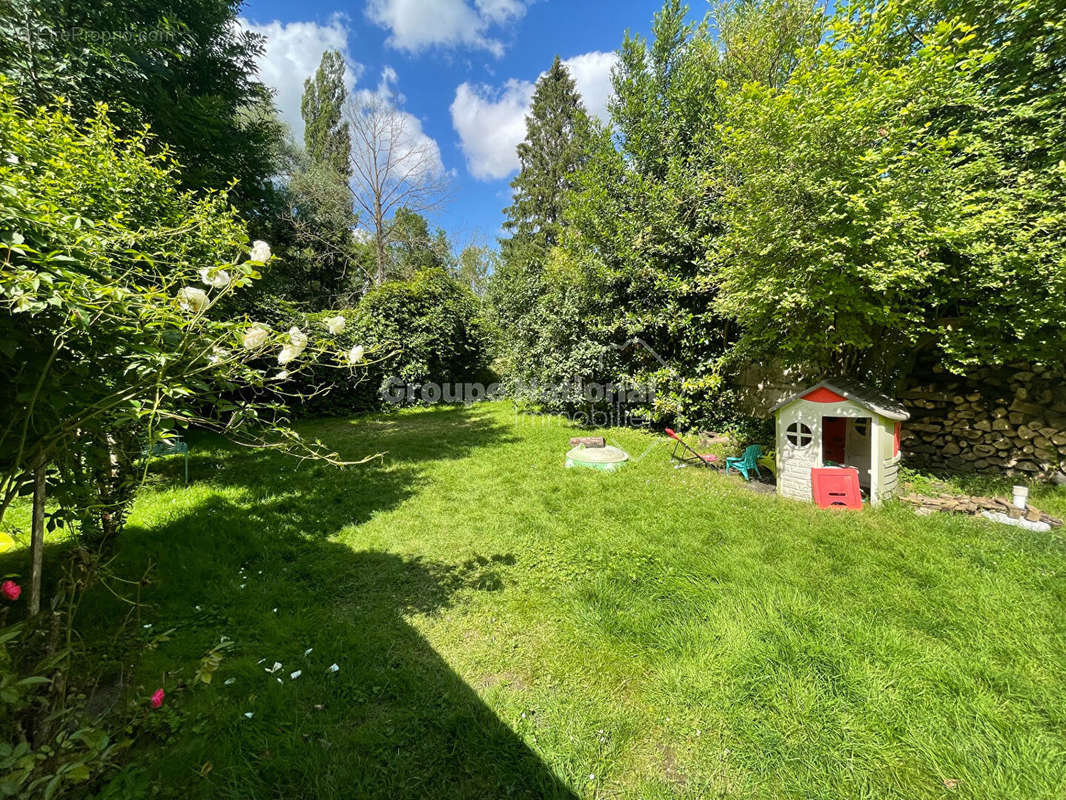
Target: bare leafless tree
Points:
(394, 165)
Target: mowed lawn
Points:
(504, 627)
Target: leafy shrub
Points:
(427, 328)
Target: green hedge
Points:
(428, 328)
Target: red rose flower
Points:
(157, 698)
(10, 590)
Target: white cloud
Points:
(416, 25)
(291, 54)
(491, 122)
(592, 74)
(501, 10)
(490, 125)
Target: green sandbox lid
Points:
(607, 459)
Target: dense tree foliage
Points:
(902, 193)
(413, 248)
(842, 193)
(555, 147)
(623, 298)
(109, 332)
(326, 137)
(184, 67)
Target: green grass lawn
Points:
(504, 627)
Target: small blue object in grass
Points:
(746, 463)
(170, 447)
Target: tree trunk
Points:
(37, 537)
(379, 229)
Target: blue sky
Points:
(463, 70)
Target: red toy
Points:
(703, 459)
(836, 487)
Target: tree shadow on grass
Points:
(394, 720)
(318, 499)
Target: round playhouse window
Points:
(798, 435)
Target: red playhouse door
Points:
(834, 439)
(836, 488)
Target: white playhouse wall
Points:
(794, 463)
(888, 479)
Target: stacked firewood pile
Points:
(999, 420)
(963, 504)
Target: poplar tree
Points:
(326, 136)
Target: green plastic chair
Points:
(746, 463)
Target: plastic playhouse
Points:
(834, 428)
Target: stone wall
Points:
(1005, 420)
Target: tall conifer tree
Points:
(557, 140)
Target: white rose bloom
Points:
(192, 299)
(287, 354)
(218, 355)
(215, 278)
(335, 325)
(282, 375)
(298, 339)
(355, 355)
(255, 337)
(260, 251)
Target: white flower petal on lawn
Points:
(333, 668)
(229, 681)
(255, 337)
(355, 355)
(215, 278)
(249, 714)
(260, 251)
(275, 668)
(336, 325)
(307, 652)
(192, 299)
(294, 675)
